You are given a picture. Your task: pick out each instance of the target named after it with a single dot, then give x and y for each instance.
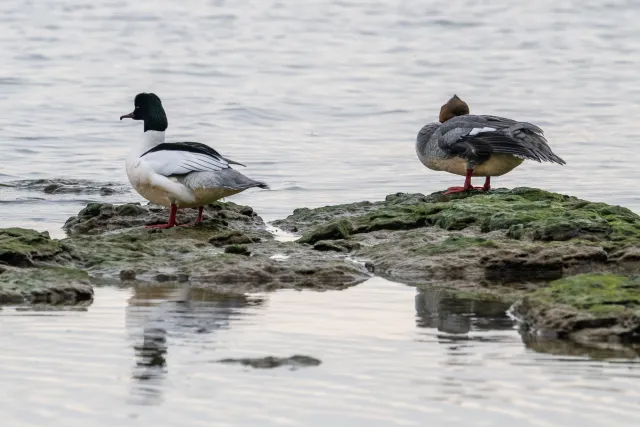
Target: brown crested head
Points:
(453, 108)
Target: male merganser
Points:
(470, 145)
(178, 174)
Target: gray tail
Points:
(531, 137)
(261, 184)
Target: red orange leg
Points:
(172, 219)
(466, 187)
(198, 219)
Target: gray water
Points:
(321, 99)
(390, 357)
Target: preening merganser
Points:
(178, 174)
(469, 145)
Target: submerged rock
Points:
(70, 186)
(269, 362)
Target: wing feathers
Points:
(476, 137)
(180, 158)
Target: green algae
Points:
(334, 230)
(598, 294)
(49, 284)
(21, 247)
(523, 213)
(454, 244)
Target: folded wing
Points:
(477, 137)
(181, 158)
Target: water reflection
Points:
(159, 316)
(439, 309)
(599, 351)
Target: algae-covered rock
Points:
(98, 218)
(586, 308)
(232, 237)
(45, 285)
(522, 213)
(185, 255)
(523, 237)
(340, 229)
(22, 247)
(237, 249)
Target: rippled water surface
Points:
(321, 99)
(390, 356)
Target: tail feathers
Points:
(532, 137)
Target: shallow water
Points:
(321, 99)
(390, 356)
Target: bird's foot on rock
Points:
(452, 190)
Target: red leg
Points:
(198, 219)
(172, 219)
(467, 184)
(487, 184)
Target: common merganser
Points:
(178, 174)
(469, 145)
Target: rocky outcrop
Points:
(230, 252)
(506, 243)
(522, 244)
(515, 238)
(601, 310)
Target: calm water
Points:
(322, 99)
(390, 356)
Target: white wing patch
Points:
(172, 162)
(476, 131)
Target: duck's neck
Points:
(150, 139)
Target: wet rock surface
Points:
(596, 309)
(98, 218)
(270, 362)
(514, 237)
(230, 252)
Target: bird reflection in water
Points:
(157, 316)
(439, 309)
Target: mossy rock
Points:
(522, 213)
(454, 244)
(237, 250)
(231, 237)
(340, 229)
(590, 309)
(21, 247)
(597, 294)
(46, 285)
